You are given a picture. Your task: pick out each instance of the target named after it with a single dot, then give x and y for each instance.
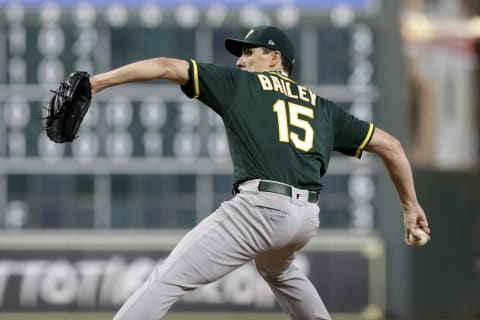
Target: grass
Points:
(170, 316)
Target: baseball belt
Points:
(286, 190)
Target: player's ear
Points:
(276, 58)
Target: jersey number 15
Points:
(294, 111)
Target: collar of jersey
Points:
(282, 75)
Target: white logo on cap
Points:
(249, 33)
(270, 42)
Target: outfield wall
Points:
(71, 275)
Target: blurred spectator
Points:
(441, 56)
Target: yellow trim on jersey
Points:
(282, 76)
(196, 85)
(365, 140)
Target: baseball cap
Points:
(264, 36)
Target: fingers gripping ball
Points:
(419, 242)
(68, 106)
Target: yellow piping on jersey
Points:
(282, 76)
(365, 141)
(196, 85)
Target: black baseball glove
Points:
(68, 106)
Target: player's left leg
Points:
(225, 240)
(198, 259)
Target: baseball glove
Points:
(68, 106)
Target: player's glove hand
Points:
(68, 106)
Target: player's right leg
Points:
(291, 287)
(293, 290)
(296, 294)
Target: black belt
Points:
(286, 190)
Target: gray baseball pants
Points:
(261, 226)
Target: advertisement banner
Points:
(84, 278)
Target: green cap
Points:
(263, 36)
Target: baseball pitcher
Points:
(281, 136)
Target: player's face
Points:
(254, 60)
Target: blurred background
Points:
(82, 224)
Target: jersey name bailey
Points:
(276, 83)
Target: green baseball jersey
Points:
(276, 128)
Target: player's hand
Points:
(414, 218)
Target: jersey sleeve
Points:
(352, 135)
(212, 84)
